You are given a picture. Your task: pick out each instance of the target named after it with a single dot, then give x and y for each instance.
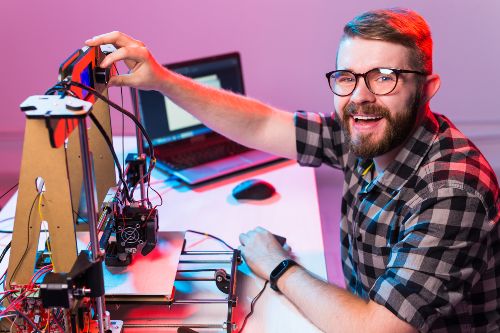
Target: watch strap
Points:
(279, 271)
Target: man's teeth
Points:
(366, 118)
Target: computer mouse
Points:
(253, 189)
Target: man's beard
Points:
(398, 128)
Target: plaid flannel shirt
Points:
(422, 238)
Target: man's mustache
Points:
(353, 109)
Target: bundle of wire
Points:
(18, 296)
(63, 88)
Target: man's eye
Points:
(385, 78)
(345, 79)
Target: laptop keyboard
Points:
(202, 155)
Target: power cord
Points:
(256, 298)
(122, 110)
(252, 305)
(64, 87)
(7, 192)
(152, 160)
(27, 241)
(5, 251)
(112, 150)
(211, 236)
(123, 120)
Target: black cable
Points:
(123, 141)
(152, 160)
(159, 195)
(10, 189)
(123, 120)
(27, 242)
(211, 236)
(112, 150)
(58, 87)
(64, 88)
(5, 251)
(119, 109)
(81, 218)
(67, 169)
(196, 270)
(11, 231)
(252, 305)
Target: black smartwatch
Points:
(279, 271)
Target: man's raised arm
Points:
(242, 119)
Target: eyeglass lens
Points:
(379, 81)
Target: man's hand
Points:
(145, 72)
(329, 307)
(261, 251)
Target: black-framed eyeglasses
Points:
(380, 81)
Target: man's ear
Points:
(431, 86)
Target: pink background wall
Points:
(286, 47)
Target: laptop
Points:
(184, 146)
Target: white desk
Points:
(293, 213)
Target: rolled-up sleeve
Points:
(319, 139)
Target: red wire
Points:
(40, 272)
(18, 300)
(26, 290)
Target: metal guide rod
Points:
(207, 326)
(91, 210)
(194, 279)
(200, 301)
(140, 145)
(204, 261)
(206, 253)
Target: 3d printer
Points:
(67, 168)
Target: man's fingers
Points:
(243, 238)
(137, 54)
(121, 80)
(260, 229)
(118, 39)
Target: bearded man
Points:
(419, 234)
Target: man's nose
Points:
(362, 94)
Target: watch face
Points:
(278, 271)
(279, 268)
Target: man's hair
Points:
(396, 25)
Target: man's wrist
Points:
(282, 282)
(165, 81)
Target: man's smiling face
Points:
(377, 124)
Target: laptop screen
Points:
(167, 122)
